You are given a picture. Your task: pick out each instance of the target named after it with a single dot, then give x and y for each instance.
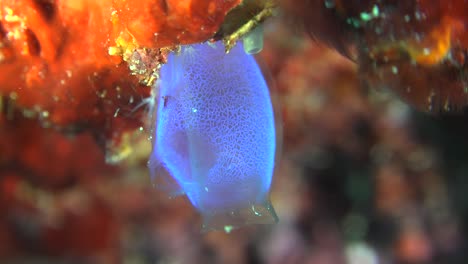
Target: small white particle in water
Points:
(417, 15)
(361, 253)
(375, 11)
(228, 228)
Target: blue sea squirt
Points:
(214, 136)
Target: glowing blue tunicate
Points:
(214, 135)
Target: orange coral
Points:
(54, 55)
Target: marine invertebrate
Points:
(215, 134)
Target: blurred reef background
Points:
(371, 96)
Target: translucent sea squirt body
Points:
(214, 135)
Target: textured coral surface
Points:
(55, 56)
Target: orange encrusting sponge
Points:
(63, 59)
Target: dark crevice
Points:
(46, 8)
(3, 32)
(33, 43)
(164, 6)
